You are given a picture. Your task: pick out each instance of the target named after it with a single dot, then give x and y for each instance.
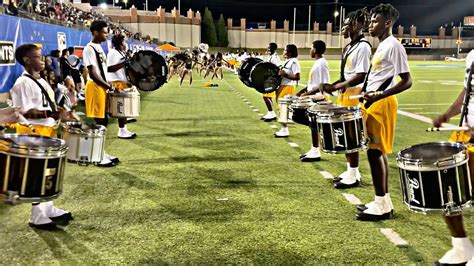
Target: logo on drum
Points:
(413, 184)
(338, 133)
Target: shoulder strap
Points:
(102, 73)
(467, 96)
(45, 93)
(354, 44)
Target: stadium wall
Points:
(183, 31)
(242, 37)
(49, 37)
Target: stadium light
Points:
(103, 6)
(336, 14)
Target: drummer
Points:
(354, 68)
(319, 74)
(96, 87)
(380, 111)
(268, 97)
(290, 74)
(34, 97)
(462, 250)
(116, 76)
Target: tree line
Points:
(214, 34)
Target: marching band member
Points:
(354, 68)
(380, 111)
(96, 87)
(35, 98)
(290, 75)
(319, 74)
(116, 62)
(268, 97)
(462, 250)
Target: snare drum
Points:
(435, 177)
(298, 110)
(342, 130)
(121, 105)
(31, 167)
(86, 144)
(317, 108)
(284, 109)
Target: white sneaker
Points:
(50, 210)
(111, 158)
(350, 176)
(461, 252)
(269, 115)
(123, 133)
(470, 262)
(377, 210)
(282, 133)
(105, 162)
(38, 216)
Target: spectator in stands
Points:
(55, 63)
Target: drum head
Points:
(147, 70)
(433, 152)
(32, 141)
(265, 78)
(246, 68)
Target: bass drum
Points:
(246, 68)
(147, 70)
(265, 78)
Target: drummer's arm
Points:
(37, 114)
(453, 110)
(302, 92)
(116, 67)
(357, 79)
(97, 78)
(290, 76)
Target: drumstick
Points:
(358, 96)
(433, 129)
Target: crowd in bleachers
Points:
(69, 15)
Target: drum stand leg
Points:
(83, 161)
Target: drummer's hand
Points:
(340, 86)
(282, 73)
(370, 98)
(437, 121)
(328, 88)
(9, 115)
(119, 90)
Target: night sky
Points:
(427, 15)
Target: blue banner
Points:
(17, 31)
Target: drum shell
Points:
(298, 111)
(85, 146)
(313, 111)
(32, 176)
(428, 171)
(123, 105)
(245, 70)
(264, 77)
(147, 70)
(427, 191)
(284, 110)
(341, 132)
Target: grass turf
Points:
(205, 182)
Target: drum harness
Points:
(348, 49)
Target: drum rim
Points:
(35, 152)
(124, 94)
(325, 117)
(410, 164)
(361, 148)
(99, 132)
(423, 210)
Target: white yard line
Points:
(293, 145)
(326, 175)
(394, 237)
(352, 199)
(274, 126)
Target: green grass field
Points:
(206, 182)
